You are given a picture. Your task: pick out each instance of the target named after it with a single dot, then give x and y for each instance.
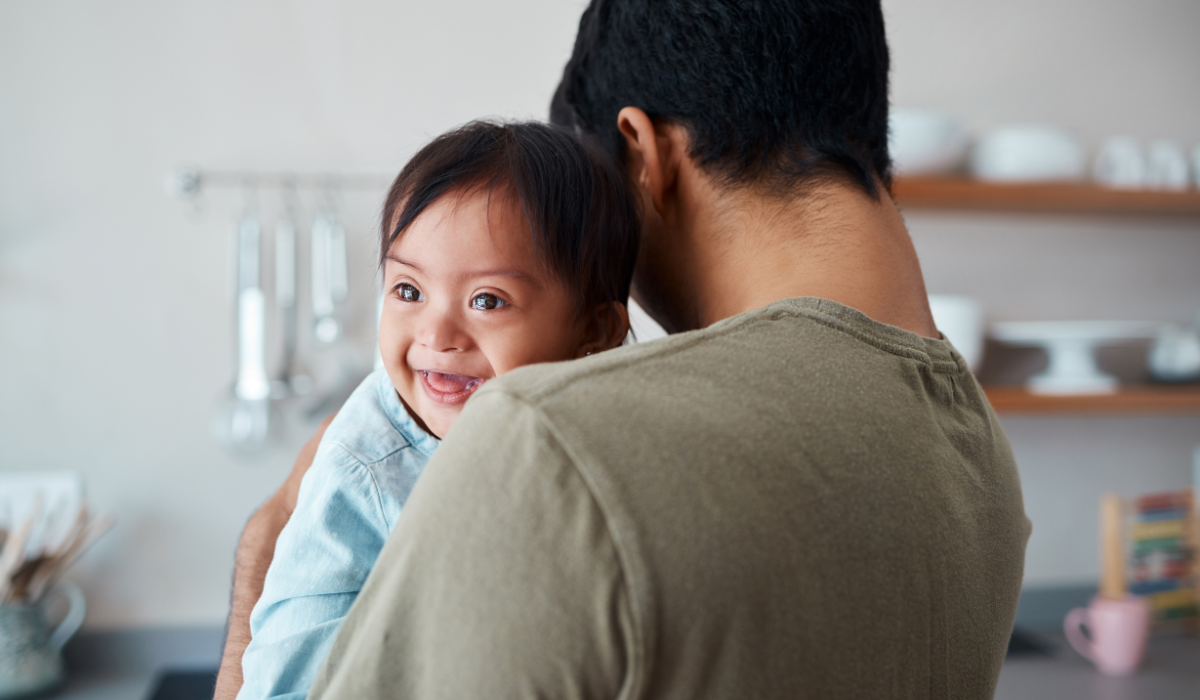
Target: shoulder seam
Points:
(344, 448)
(375, 490)
(910, 353)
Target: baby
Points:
(503, 245)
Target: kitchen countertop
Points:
(106, 686)
(1171, 670)
(125, 664)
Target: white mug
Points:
(1196, 165)
(1120, 163)
(1167, 166)
(960, 320)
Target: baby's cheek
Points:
(394, 346)
(529, 349)
(391, 340)
(392, 352)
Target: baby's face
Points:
(466, 299)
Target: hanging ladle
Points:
(293, 379)
(243, 424)
(329, 275)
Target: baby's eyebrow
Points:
(406, 263)
(514, 274)
(499, 272)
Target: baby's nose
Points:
(441, 332)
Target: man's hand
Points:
(255, 550)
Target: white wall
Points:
(115, 334)
(1101, 67)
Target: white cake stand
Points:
(1071, 347)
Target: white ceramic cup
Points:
(1166, 166)
(1121, 163)
(960, 320)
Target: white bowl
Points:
(924, 142)
(1028, 154)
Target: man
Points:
(802, 494)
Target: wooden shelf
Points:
(948, 193)
(1128, 400)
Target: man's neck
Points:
(832, 242)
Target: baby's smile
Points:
(447, 388)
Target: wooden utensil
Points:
(1112, 560)
(14, 550)
(63, 559)
(25, 577)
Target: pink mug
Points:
(1116, 633)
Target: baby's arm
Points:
(321, 560)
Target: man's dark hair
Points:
(775, 93)
(581, 212)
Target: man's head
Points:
(775, 96)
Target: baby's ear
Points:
(607, 325)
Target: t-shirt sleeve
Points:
(501, 579)
(321, 561)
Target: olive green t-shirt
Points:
(797, 502)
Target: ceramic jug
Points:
(30, 658)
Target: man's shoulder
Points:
(798, 377)
(805, 339)
(628, 367)
(613, 370)
(373, 426)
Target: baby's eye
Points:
(487, 302)
(407, 292)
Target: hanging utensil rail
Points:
(187, 182)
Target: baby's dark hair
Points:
(582, 215)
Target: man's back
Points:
(796, 502)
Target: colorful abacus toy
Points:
(1162, 556)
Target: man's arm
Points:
(500, 580)
(255, 550)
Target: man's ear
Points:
(652, 152)
(606, 327)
